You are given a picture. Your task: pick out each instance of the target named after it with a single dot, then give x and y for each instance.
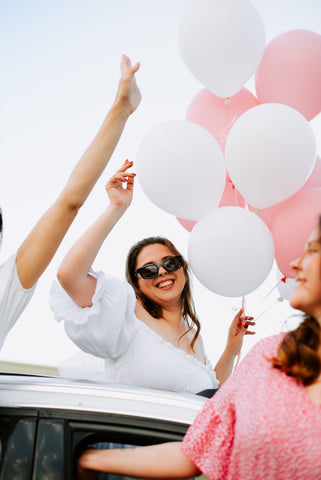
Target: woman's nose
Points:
(161, 270)
(295, 264)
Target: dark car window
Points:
(17, 446)
(49, 461)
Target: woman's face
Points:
(307, 293)
(165, 289)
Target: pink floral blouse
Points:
(261, 425)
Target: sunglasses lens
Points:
(149, 271)
(172, 263)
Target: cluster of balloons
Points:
(240, 173)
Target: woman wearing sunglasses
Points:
(20, 272)
(265, 423)
(145, 329)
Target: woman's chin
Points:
(295, 303)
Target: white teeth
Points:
(164, 284)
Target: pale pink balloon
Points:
(290, 72)
(268, 215)
(230, 198)
(293, 225)
(187, 224)
(217, 114)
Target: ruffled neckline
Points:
(179, 351)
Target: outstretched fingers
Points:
(123, 176)
(126, 66)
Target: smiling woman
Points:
(299, 353)
(146, 330)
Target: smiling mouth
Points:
(166, 283)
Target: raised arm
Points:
(37, 250)
(237, 330)
(73, 273)
(155, 461)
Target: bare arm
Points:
(73, 273)
(155, 461)
(237, 330)
(37, 250)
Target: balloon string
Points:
(264, 311)
(222, 136)
(242, 318)
(235, 196)
(283, 279)
(256, 318)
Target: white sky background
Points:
(59, 74)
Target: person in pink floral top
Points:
(265, 422)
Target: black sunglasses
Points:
(151, 270)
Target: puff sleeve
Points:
(215, 440)
(13, 297)
(106, 328)
(211, 435)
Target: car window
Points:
(117, 432)
(17, 434)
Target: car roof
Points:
(18, 391)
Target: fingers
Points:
(123, 176)
(126, 65)
(247, 323)
(130, 182)
(135, 68)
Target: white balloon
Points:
(181, 169)
(286, 288)
(270, 153)
(222, 43)
(231, 251)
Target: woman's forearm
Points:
(224, 366)
(73, 273)
(155, 461)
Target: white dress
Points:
(13, 297)
(133, 353)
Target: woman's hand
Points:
(82, 472)
(128, 95)
(120, 186)
(239, 328)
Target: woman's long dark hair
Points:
(297, 355)
(188, 308)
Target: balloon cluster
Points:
(241, 171)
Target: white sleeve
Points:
(13, 297)
(106, 328)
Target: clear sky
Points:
(59, 74)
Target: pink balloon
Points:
(230, 198)
(268, 215)
(293, 225)
(188, 224)
(217, 114)
(290, 72)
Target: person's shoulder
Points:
(267, 346)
